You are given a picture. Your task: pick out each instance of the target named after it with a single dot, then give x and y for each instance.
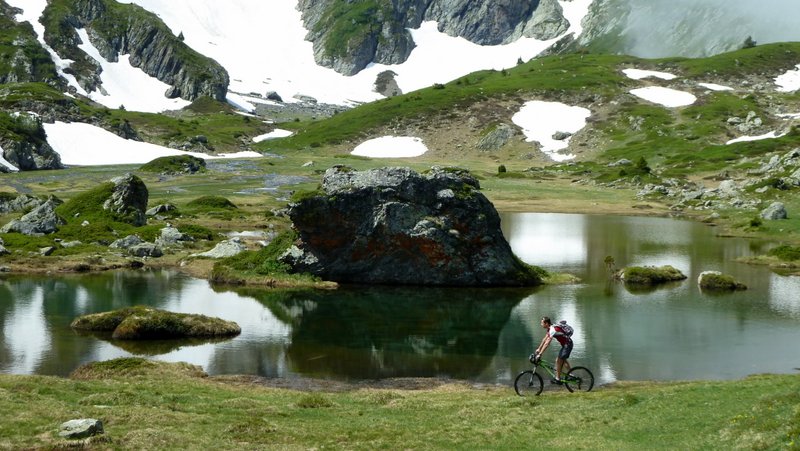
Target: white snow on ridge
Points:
(391, 147)
(667, 97)
(81, 144)
(715, 87)
(790, 81)
(770, 135)
(262, 45)
(126, 85)
(638, 74)
(789, 116)
(540, 120)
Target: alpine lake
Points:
(672, 332)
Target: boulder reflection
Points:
(376, 332)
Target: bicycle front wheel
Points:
(528, 383)
(579, 379)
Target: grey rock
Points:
(620, 162)
(29, 150)
(727, 188)
(560, 136)
(386, 84)
(548, 22)
(128, 199)
(47, 251)
(40, 221)
(69, 244)
(3, 250)
(396, 226)
(83, 428)
(126, 243)
(274, 96)
(145, 250)
(160, 209)
(224, 249)
(496, 138)
(21, 202)
(775, 211)
(171, 236)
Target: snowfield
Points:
(541, 120)
(670, 98)
(639, 74)
(391, 147)
(790, 81)
(81, 144)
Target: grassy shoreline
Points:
(183, 410)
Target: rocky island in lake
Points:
(397, 226)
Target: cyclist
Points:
(555, 331)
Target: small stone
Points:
(78, 429)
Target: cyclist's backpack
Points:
(566, 329)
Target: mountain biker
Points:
(555, 331)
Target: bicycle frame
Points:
(549, 367)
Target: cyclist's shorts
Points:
(565, 351)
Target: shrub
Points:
(501, 169)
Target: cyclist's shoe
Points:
(556, 381)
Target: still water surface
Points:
(673, 332)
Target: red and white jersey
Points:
(558, 334)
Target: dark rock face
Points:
(23, 59)
(151, 45)
(396, 226)
(128, 199)
(380, 33)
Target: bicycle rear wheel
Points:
(579, 379)
(528, 383)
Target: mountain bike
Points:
(530, 382)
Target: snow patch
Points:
(81, 144)
(274, 134)
(671, 98)
(789, 116)
(541, 120)
(391, 147)
(770, 135)
(638, 74)
(790, 81)
(126, 85)
(715, 87)
(5, 163)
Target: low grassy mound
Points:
(785, 253)
(145, 323)
(716, 281)
(175, 164)
(135, 366)
(649, 275)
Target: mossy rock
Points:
(716, 281)
(175, 164)
(145, 323)
(136, 367)
(649, 275)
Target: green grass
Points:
(158, 405)
(785, 252)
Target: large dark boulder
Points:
(396, 226)
(128, 199)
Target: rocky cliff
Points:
(396, 226)
(22, 59)
(116, 29)
(24, 143)
(348, 35)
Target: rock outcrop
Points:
(396, 226)
(128, 199)
(40, 221)
(149, 42)
(347, 39)
(24, 144)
